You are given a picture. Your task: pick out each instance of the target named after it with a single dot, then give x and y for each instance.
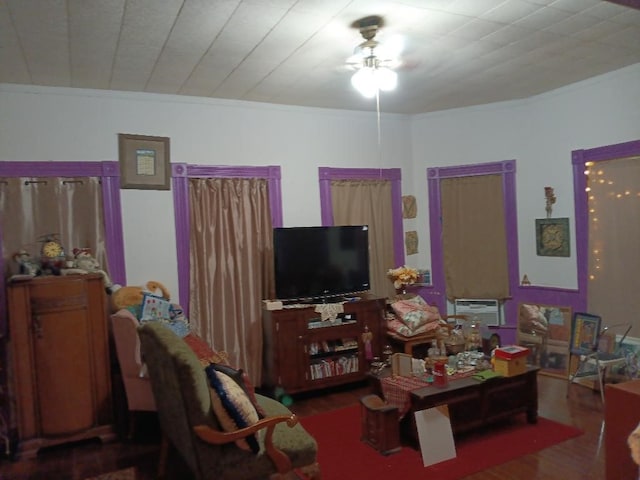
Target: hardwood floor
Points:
(581, 458)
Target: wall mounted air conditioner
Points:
(488, 311)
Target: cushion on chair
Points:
(157, 309)
(232, 406)
(208, 356)
(242, 379)
(154, 308)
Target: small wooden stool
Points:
(380, 424)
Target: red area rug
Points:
(342, 455)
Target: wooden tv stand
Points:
(303, 353)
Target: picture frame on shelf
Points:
(585, 333)
(144, 162)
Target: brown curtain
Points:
(368, 202)
(69, 207)
(231, 257)
(614, 236)
(474, 237)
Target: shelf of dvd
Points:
(303, 352)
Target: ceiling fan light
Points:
(386, 79)
(364, 80)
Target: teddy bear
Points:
(130, 296)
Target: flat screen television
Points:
(321, 263)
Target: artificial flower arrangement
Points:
(402, 276)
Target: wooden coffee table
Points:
(472, 403)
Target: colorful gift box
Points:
(510, 360)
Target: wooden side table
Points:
(408, 343)
(380, 424)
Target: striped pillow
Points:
(232, 406)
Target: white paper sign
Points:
(435, 435)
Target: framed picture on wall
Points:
(546, 331)
(144, 162)
(552, 237)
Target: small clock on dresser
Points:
(52, 255)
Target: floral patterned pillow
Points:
(414, 312)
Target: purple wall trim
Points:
(627, 3)
(180, 173)
(113, 222)
(58, 169)
(180, 188)
(507, 170)
(394, 175)
(579, 158)
(109, 171)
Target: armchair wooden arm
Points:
(278, 457)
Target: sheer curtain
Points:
(231, 268)
(614, 236)
(36, 206)
(368, 202)
(474, 237)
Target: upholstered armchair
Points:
(186, 413)
(137, 386)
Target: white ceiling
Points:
(457, 52)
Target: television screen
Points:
(320, 262)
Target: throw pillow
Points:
(154, 308)
(157, 309)
(207, 356)
(232, 406)
(415, 312)
(243, 381)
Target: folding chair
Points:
(586, 333)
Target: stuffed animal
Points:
(129, 296)
(83, 260)
(27, 265)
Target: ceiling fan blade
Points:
(391, 47)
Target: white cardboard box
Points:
(435, 435)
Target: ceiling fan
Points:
(373, 60)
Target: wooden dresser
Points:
(58, 342)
